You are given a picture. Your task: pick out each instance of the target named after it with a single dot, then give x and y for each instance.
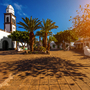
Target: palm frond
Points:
(30, 24)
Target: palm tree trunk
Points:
(48, 46)
(39, 40)
(31, 41)
(45, 40)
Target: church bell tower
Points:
(9, 20)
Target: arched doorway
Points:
(5, 45)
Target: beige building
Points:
(82, 42)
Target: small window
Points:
(7, 11)
(7, 19)
(53, 46)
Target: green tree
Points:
(59, 36)
(30, 25)
(69, 36)
(81, 22)
(20, 36)
(66, 36)
(47, 26)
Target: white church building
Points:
(9, 26)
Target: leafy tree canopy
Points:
(81, 22)
(20, 36)
(66, 36)
(52, 38)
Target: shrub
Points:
(41, 48)
(30, 52)
(36, 48)
(36, 52)
(21, 47)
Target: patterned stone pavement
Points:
(58, 71)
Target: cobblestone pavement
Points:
(61, 70)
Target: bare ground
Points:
(61, 70)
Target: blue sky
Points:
(58, 11)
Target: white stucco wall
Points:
(13, 17)
(8, 40)
(3, 34)
(6, 18)
(10, 11)
(19, 44)
(7, 27)
(13, 28)
(51, 45)
(14, 43)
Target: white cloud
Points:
(19, 13)
(25, 15)
(17, 6)
(4, 4)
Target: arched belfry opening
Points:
(5, 45)
(7, 19)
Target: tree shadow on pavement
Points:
(10, 52)
(55, 49)
(48, 66)
(80, 53)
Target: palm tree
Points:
(46, 27)
(48, 34)
(30, 25)
(40, 34)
